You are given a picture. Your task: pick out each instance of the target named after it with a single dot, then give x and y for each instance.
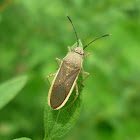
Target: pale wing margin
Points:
(62, 87)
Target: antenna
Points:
(96, 39)
(74, 30)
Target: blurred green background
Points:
(33, 33)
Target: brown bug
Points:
(66, 77)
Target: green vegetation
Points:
(9, 89)
(33, 33)
(58, 123)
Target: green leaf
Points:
(58, 122)
(23, 138)
(10, 89)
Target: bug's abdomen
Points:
(57, 96)
(62, 86)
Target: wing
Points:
(63, 85)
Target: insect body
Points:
(66, 77)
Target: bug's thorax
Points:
(74, 59)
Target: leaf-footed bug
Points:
(66, 77)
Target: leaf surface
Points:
(23, 138)
(10, 88)
(58, 122)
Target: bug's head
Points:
(79, 50)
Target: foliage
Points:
(58, 122)
(33, 33)
(9, 89)
(22, 139)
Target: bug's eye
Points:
(75, 49)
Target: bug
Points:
(66, 77)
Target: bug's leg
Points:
(57, 59)
(50, 77)
(86, 73)
(86, 55)
(69, 49)
(77, 93)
